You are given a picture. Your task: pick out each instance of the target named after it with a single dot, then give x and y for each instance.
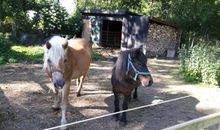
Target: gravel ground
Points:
(26, 96)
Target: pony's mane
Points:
(121, 63)
(55, 52)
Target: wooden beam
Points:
(198, 123)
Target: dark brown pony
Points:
(65, 60)
(129, 72)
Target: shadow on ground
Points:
(26, 97)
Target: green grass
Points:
(19, 53)
(95, 55)
(27, 54)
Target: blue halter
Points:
(135, 70)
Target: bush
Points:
(5, 47)
(55, 20)
(199, 63)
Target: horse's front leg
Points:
(56, 105)
(123, 119)
(79, 85)
(64, 103)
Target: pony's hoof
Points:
(55, 108)
(63, 128)
(115, 117)
(122, 123)
(78, 94)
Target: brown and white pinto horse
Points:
(65, 60)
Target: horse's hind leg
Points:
(123, 119)
(79, 85)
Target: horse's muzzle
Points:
(58, 80)
(146, 81)
(150, 82)
(59, 84)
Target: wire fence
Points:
(114, 113)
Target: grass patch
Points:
(95, 55)
(18, 53)
(14, 53)
(28, 54)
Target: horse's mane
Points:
(55, 52)
(121, 64)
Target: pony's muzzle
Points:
(150, 82)
(146, 81)
(58, 80)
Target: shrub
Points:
(199, 63)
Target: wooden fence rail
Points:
(198, 124)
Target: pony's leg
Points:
(135, 94)
(56, 105)
(80, 82)
(123, 119)
(116, 103)
(64, 103)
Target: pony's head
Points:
(55, 59)
(137, 67)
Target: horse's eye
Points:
(65, 60)
(48, 61)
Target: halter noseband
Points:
(135, 70)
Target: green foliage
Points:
(74, 24)
(54, 17)
(95, 55)
(199, 63)
(200, 16)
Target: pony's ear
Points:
(139, 50)
(65, 44)
(48, 45)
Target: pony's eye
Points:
(48, 61)
(65, 60)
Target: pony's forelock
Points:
(55, 52)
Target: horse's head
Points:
(55, 60)
(137, 67)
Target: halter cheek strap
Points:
(135, 70)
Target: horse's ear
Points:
(139, 49)
(48, 45)
(65, 44)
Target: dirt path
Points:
(26, 96)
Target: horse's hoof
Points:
(115, 117)
(122, 123)
(55, 108)
(63, 128)
(78, 94)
